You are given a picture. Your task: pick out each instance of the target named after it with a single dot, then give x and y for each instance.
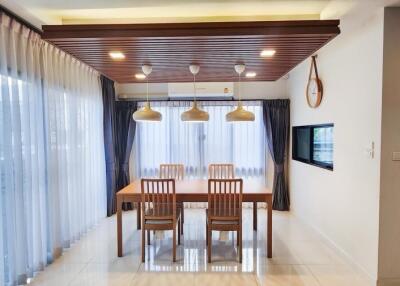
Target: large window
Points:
(196, 145)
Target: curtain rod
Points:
(189, 100)
(11, 14)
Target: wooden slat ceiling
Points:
(216, 47)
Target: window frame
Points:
(310, 161)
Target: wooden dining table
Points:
(197, 191)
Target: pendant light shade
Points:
(146, 113)
(240, 114)
(195, 114)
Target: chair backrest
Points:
(172, 171)
(158, 198)
(225, 197)
(221, 171)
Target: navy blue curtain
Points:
(108, 92)
(277, 125)
(119, 133)
(125, 134)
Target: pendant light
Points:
(194, 114)
(239, 114)
(146, 113)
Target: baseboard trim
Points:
(388, 282)
(347, 257)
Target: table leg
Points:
(269, 228)
(119, 226)
(139, 215)
(254, 215)
(183, 212)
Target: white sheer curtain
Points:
(52, 170)
(240, 143)
(75, 145)
(196, 145)
(169, 141)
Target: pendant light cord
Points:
(194, 87)
(147, 88)
(240, 95)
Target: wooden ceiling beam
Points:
(216, 46)
(213, 29)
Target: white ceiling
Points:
(145, 11)
(40, 12)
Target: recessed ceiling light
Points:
(140, 76)
(267, 53)
(251, 74)
(117, 55)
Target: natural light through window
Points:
(196, 145)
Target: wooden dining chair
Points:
(172, 171)
(227, 171)
(221, 171)
(159, 211)
(224, 212)
(177, 172)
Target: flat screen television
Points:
(313, 144)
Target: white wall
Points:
(343, 204)
(389, 226)
(263, 89)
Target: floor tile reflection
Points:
(300, 257)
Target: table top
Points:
(199, 186)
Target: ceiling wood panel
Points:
(216, 47)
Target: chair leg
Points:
(240, 246)
(209, 244)
(143, 243)
(181, 220)
(174, 244)
(255, 216)
(206, 233)
(179, 232)
(139, 215)
(148, 237)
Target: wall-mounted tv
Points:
(313, 144)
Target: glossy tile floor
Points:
(299, 257)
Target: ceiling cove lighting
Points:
(267, 53)
(251, 74)
(194, 114)
(140, 76)
(115, 55)
(146, 113)
(240, 114)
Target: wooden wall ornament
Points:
(314, 90)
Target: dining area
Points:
(173, 143)
(160, 205)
